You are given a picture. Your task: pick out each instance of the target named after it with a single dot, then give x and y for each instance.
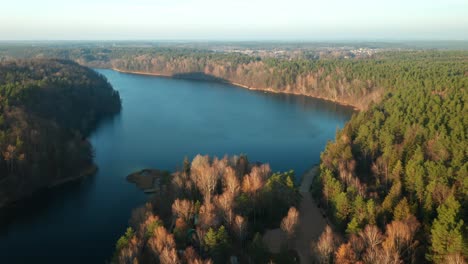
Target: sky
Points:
(234, 20)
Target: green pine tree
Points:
(402, 210)
(446, 232)
(210, 239)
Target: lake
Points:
(162, 121)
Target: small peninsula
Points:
(213, 210)
(48, 108)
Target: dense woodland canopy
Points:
(210, 210)
(395, 180)
(354, 81)
(47, 108)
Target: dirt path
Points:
(311, 223)
(311, 220)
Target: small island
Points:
(148, 180)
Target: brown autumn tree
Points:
(140, 214)
(400, 237)
(220, 165)
(130, 253)
(208, 217)
(205, 176)
(388, 255)
(240, 227)
(290, 222)
(225, 202)
(191, 257)
(357, 245)
(148, 226)
(169, 256)
(182, 182)
(230, 181)
(326, 245)
(345, 255)
(160, 240)
(252, 184)
(455, 258)
(184, 209)
(372, 238)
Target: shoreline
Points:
(269, 90)
(85, 173)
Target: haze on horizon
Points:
(234, 20)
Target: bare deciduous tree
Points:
(372, 236)
(345, 255)
(206, 180)
(161, 239)
(400, 236)
(129, 254)
(181, 181)
(225, 202)
(191, 257)
(220, 165)
(388, 256)
(455, 258)
(208, 217)
(240, 226)
(139, 215)
(148, 225)
(252, 182)
(326, 245)
(230, 181)
(184, 209)
(169, 256)
(264, 170)
(290, 222)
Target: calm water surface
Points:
(162, 121)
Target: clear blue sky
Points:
(234, 20)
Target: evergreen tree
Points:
(402, 210)
(446, 232)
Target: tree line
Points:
(355, 81)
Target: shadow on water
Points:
(40, 203)
(306, 102)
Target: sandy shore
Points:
(269, 90)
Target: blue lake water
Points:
(162, 121)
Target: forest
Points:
(393, 183)
(358, 82)
(47, 109)
(395, 180)
(212, 210)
